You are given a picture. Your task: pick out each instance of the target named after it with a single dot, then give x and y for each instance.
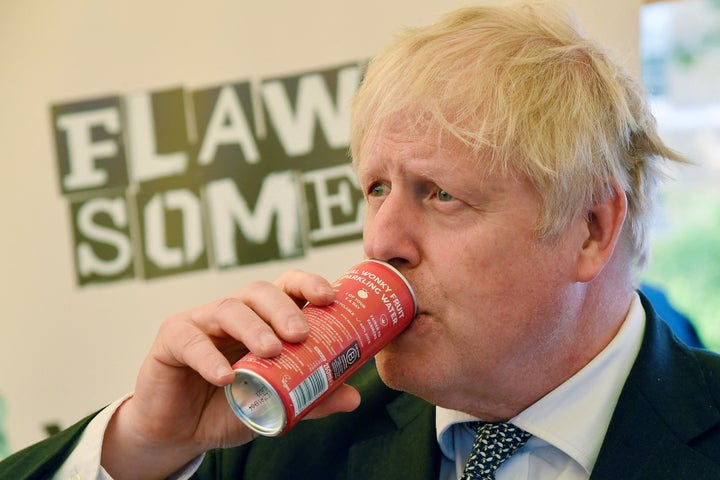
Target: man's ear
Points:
(604, 222)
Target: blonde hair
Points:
(528, 93)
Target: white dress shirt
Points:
(84, 461)
(568, 424)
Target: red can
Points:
(373, 304)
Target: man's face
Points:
(496, 305)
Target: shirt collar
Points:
(574, 416)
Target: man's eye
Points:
(444, 196)
(377, 190)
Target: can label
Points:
(373, 304)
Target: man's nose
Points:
(391, 231)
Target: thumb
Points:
(344, 399)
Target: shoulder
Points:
(709, 364)
(668, 411)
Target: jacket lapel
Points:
(409, 451)
(665, 405)
(42, 459)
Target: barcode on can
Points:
(309, 389)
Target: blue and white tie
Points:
(494, 443)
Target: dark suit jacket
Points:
(666, 426)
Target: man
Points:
(508, 167)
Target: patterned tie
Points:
(494, 443)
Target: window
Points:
(680, 50)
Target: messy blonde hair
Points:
(528, 93)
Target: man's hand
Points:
(179, 409)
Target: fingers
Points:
(277, 306)
(306, 286)
(255, 319)
(182, 343)
(272, 314)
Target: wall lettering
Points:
(172, 181)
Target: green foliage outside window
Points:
(686, 259)
(680, 49)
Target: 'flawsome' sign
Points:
(177, 180)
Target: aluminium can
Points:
(373, 304)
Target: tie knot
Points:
(494, 443)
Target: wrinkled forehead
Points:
(410, 126)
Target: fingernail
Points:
(296, 324)
(224, 373)
(326, 291)
(269, 341)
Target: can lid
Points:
(256, 403)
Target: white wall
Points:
(67, 350)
